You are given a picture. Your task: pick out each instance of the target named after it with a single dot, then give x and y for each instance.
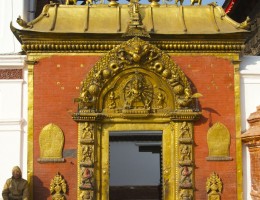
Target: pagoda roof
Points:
(103, 22)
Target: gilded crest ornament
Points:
(126, 58)
(214, 187)
(58, 188)
(135, 27)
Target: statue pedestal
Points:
(252, 139)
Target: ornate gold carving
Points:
(87, 155)
(186, 194)
(185, 154)
(51, 141)
(71, 2)
(154, 3)
(113, 3)
(86, 160)
(135, 27)
(139, 86)
(58, 188)
(245, 24)
(86, 195)
(135, 83)
(185, 133)
(87, 133)
(218, 139)
(103, 46)
(138, 93)
(23, 23)
(214, 187)
(192, 2)
(87, 178)
(186, 177)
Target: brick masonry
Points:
(57, 82)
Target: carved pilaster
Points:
(252, 139)
(86, 160)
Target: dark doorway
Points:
(135, 165)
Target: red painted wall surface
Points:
(57, 82)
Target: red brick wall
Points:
(214, 79)
(57, 82)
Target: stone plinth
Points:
(252, 139)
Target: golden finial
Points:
(214, 186)
(58, 187)
(245, 24)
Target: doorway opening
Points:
(135, 165)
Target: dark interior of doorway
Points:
(146, 141)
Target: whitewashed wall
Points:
(250, 99)
(13, 119)
(13, 92)
(9, 12)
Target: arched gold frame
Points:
(136, 86)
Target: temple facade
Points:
(166, 79)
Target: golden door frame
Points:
(136, 86)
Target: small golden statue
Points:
(58, 188)
(214, 187)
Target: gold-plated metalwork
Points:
(86, 195)
(137, 86)
(218, 139)
(245, 24)
(135, 27)
(23, 23)
(104, 46)
(136, 83)
(159, 21)
(71, 2)
(86, 163)
(51, 142)
(35, 41)
(58, 188)
(214, 187)
(239, 160)
(192, 2)
(113, 3)
(154, 3)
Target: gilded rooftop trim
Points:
(102, 19)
